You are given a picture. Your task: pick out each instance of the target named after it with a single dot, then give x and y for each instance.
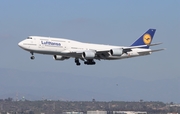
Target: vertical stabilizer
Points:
(145, 39)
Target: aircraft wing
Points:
(157, 50)
(102, 54)
(125, 49)
(78, 53)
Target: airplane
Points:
(63, 49)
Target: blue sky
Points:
(117, 22)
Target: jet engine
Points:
(88, 54)
(59, 57)
(116, 52)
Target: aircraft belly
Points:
(115, 57)
(45, 50)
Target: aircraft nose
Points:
(20, 44)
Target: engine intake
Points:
(116, 52)
(88, 55)
(59, 57)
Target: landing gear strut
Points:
(32, 57)
(77, 62)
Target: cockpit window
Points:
(29, 37)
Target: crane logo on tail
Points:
(147, 39)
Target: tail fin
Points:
(145, 39)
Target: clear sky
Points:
(117, 22)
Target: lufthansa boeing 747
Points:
(63, 49)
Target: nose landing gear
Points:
(32, 57)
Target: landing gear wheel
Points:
(90, 62)
(32, 57)
(77, 62)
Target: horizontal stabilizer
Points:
(151, 51)
(157, 50)
(155, 44)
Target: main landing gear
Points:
(88, 62)
(77, 62)
(32, 57)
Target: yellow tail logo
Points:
(147, 39)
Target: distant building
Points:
(175, 105)
(172, 113)
(97, 112)
(129, 112)
(72, 112)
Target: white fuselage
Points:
(71, 48)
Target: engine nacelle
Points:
(116, 52)
(59, 57)
(88, 54)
